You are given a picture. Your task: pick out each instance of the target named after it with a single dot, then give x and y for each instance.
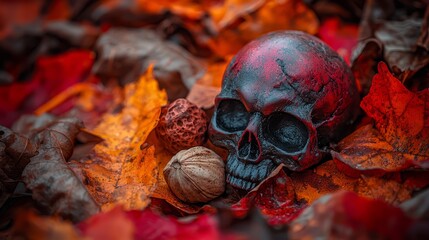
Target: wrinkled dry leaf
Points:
(400, 139)
(53, 184)
(125, 54)
(400, 50)
(15, 154)
(121, 170)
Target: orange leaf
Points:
(239, 22)
(28, 225)
(120, 170)
(327, 178)
(400, 139)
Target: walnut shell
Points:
(182, 125)
(196, 175)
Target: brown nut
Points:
(196, 175)
(182, 125)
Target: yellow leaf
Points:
(120, 170)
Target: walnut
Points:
(196, 175)
(182, 125)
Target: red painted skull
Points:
(284, 97)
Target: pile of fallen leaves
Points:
(82, 84)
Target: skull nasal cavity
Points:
(248, 147)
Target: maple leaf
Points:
(281, 198)
(52, 182)
(345, 215)
(328, 178)
(400, 139)
(120, 169)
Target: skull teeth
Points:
(247, 176)
(240, 183)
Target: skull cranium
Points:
(284, 97)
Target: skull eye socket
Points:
(286, 132)
(232, 116)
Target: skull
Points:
(284, 98)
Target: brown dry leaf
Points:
(15, 154)
(53, 184)
(239, 22)
(327, 178)
(30, 226)
(120, 170)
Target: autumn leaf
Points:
(29, 225)
(121, 169)
(125, 54)
(345, 215)
(327, 178)
(53, 184)
(120, 224)
(275, 199)
(15, 153)
(238, 22)
(339, 36)
(53, 74)
(418, 206)
(400, 139)
(281, 198)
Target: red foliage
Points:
(274, 197)
(339, 36)
(345, 215)
(400, 138)
(53, 74)
(120, 224)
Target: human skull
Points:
(284, 97)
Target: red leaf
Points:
(119, 224)
(53, 74)
(345, 215)
(274, 197)
(341, 37)
(400, 139)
